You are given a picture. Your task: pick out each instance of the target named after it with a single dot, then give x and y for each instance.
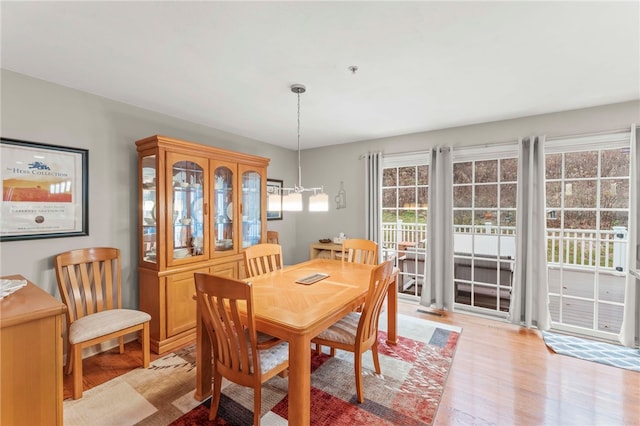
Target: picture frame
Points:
(274, 196)
(45, 190)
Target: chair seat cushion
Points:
(105, 322)
(343, 331)
(273, 356)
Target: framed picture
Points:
(274, 199)
(45, 191)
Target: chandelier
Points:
(292, 197)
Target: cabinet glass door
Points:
(251, 208)
(148, 217)
(223, 214)
(187, 220)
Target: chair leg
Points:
(121, 344)
(145, 345)
(376, 359)
(257, 404)
(77, 371)
(358, 370)
(69, 358)
(215, 398)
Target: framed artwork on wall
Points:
(45, 191)
(274, 199)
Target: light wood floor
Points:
(501, 375)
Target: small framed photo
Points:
(45, 191)
(274, 199)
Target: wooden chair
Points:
(273, 237)
(240, 360)
(357, 332)
(262, 258)
(360, 251)
(89, 281)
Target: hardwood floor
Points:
(501, 375)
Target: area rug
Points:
(591, 350)
(408, 391)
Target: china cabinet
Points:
(199, 208)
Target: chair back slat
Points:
(360, 251)
(89, 280)
(378, 285)
(234, 339)
(262, 258)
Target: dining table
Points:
(296, 313)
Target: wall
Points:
(329, 165)
(39, 111)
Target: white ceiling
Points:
(422, 65)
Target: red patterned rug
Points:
(407, 393)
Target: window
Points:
(484, 218)
(587, 193)
(405, 195)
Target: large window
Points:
(587, 219)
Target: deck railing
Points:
(577, 247)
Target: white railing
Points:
(583, 247)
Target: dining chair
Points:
(273, 237)
(360, 251)
(90, 285)
(245, 361)
(262, 258)
(357, 332)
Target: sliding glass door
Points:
(405, 194)
(587, 191)
(484, 197)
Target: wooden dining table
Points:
(297, 313)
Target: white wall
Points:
(38, 111)
(329, 165)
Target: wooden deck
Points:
(577, 287)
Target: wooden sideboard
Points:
(31, 354)
(325, 251)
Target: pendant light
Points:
(292, 197)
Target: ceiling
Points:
(421, 65)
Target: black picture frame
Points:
(45, 190)
(274, 187)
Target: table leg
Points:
(203, 359)
(392, 310)
(299, 380)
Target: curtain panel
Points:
(437, 291)
(529, 304)
(373, 196)
(630, 329)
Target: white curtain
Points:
(437, 291)
(530, 294)
(372, 196)
(629, 332)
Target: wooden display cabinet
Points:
(199, 208)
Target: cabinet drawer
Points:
(226, 270)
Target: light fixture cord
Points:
(299, 168)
